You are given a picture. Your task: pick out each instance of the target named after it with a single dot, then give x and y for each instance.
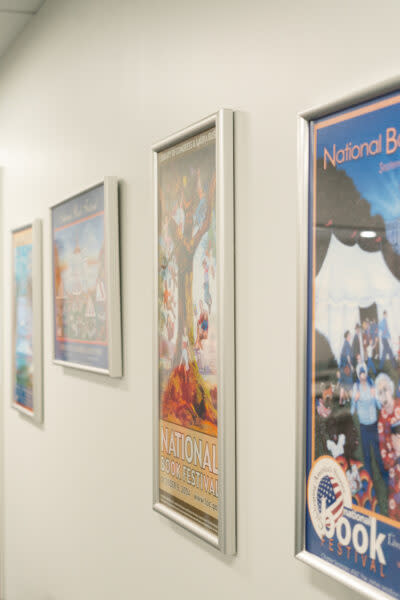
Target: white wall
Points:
(84, 92)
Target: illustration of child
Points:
(206, 285)
(324, 404)
(202, 326)
(167, 299)
(360, 364)
(354, 479)
(185, 353)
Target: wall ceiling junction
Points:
(14, 16)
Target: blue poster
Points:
(353, 370)
(23, 326)
(80, 286)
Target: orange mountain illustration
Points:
(188, 401)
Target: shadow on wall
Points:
(330, 588)
(2, 241)
(227, 560)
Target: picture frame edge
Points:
(226, 542)
(36, 415)
(117, 371)
(304, 120)
(113, 276)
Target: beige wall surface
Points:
(84, 92)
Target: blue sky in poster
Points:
(89, 238)
(23, 276)
(381, 190)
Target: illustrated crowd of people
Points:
(368, 401)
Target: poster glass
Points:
(22, 244)
(187, 330)
(353, 343)
(79, 280)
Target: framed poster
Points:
(27, 360)
(348, 488)
(86, 280)
(194, 333)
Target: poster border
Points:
(112, 268)
(303, 274)
(36, 415)
(225, 541)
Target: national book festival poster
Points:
(353, 367)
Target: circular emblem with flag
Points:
(330, 499)
(328, 493)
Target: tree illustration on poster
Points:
(187, 224)
(194, 343)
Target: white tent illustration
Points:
(350, 279)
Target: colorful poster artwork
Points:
(187, 329)
(353, 447)
(23, 325)
(80, 287)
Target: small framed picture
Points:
(194, 331)
(348, 470)
(86, 280)
(27, 336)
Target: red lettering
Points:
(364, 560)
(372, 566)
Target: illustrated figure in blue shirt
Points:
(385, 336)
(346, 369)
(365, 403)
(374, 333)
(370, 354)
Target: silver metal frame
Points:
(225, 541)
(37, 334)
(112, 268)
(304, 119)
